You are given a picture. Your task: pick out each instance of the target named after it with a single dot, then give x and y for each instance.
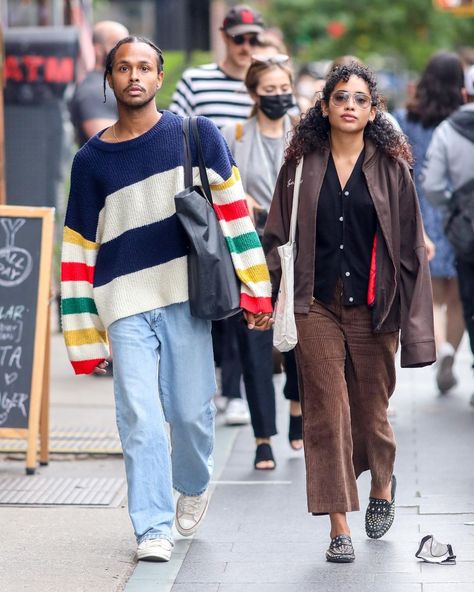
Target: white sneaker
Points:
(154, 550)
(237, 412)
(190, 511)
(221, 403)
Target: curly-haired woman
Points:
(361, 276)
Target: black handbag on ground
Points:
(214, 289)
(459, 225)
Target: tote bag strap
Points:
(188, 165)
(202, 164)
(296, 198)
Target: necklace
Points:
(113, 131)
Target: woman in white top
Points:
(258, 145)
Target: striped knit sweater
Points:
(124, 250)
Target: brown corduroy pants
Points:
(346, 376)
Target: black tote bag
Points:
(214, 289)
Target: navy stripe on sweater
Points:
(140, 248)
(111, 167)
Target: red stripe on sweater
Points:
(232, 211)
(77, 272)
(255, 305)
(86, 366)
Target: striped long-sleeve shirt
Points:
(124, 250)
(210, 92)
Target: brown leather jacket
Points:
(403, 297)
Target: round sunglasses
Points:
(341, 97)
(252, 40)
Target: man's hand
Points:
(101, 368)
(261, 321)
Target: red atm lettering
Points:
(12, 69)
(59, 70)
(33, 68)
(32, 64)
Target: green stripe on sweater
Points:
(78, 305)
(243, 242)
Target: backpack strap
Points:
(239, 131)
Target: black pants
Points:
(227, 356)
(466, 290)
(255, 349)
(290, 390)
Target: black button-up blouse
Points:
(345, 228)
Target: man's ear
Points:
(109, 81)
(159, 80)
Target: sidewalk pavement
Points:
(257, 534)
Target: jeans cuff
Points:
(150, 536)
(184, 492)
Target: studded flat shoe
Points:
(340, 549)
(380, 514)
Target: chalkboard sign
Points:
(26, 239)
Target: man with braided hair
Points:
(124, 272)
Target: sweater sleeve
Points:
(231, 209)
(436, 182)
(83, 331)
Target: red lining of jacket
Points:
(372, 274)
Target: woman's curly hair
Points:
(312, 133)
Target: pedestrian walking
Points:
(438, 94)
(90, 113)
(258, 146)
(217, 91)
(447, 173)
(361, 277)
(124, 272)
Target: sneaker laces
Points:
(190, 505)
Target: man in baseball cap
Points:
(215, 90)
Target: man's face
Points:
(240, 48)
(135, 78)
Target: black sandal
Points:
(264, 453)
(295, 430)
(340, 549)
(380, 514)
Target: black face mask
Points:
(275, 106)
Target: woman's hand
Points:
(252, 205)
(429, 246)
(261, 321)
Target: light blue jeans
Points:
(178, 390)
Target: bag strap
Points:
(188, 165)
(201, 162)
(239, 131)
(296, 198)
